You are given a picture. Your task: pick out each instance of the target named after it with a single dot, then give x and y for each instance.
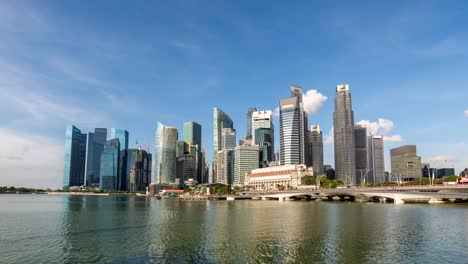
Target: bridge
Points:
(397, 195)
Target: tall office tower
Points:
(245, 160)
(360, 153)
(204, 167)
(405, 163)
(293, 127)
(264, 135)
(121, 134)
(248, 125)
(261, 119)
(95, 146)
(225, 164)
(220, 120)
(375, 149)
(192, 133)
(182, 148)
(267, 154)
(315, 149)
(140, 170)
(110, 158)
(164, 162)
(74, 158)
(186, 168)
(343, 123)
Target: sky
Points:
(130, 64)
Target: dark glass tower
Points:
(95, 144)
(220, 120)
(75, 158)
(110, 159)
(248, 125)
(343, 123)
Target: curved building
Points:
(164, 163)
(220, 120)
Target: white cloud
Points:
(383, 127)
(466, 113)
(312, 101)
(329, 138)
(29, 160)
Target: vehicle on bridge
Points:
(462, 180)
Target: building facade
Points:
(186, 168)
(343, 132)
(360, 153)
(220, 120)
(376, 159)
(192, 133)
(293, 127)
(74, 158)
(110, 158)
(262, 120)
(95, 146)
(277, 177)
(248, 122)
(164, 162)
(140, 170)
(315, 149)
(246, 158)
(121, 135)
(405, 163)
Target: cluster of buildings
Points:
(103, 160)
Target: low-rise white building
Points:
(277, 177)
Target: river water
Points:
(129, 229)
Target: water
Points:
(127, 229)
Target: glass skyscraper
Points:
(95, 144)
(248, 125)
(220, 120)
(315, 149)
(121, 134)
(140, 170)
(343, 127)
(293, 127)
(360, 153)
(164, 163)
(376, 159)
(192, 133)
(110, 158)
(75, 158)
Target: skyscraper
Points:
(110, 158)
(261, 119)
(245, 160)
(315, 149)
(182, 148)
(248, 125)
(120, 134)
(95, 147)
(225, 165)
(140, 170)
(186, 168)
(74, 158)
(343, 123)
(375, 150)
(360, 153)
(192, 133)
(220, 120)
(293, 125)
(164, 162)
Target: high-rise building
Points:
(245, 160)
(261, 119)
(267, 154)
(186, 168)
(164, 162)
(264, 135)
(74, 158)
(375, 149)
(343, 123)
(360, 153)
(248, 125)
(225, 155)
(95, 146)
(140, 170)
(110, 158)
(192, 133)
(315, 149)
(406, 165)
(220, 120)
(228, 138)
(182, 148)
(120, 134)
(293, 127)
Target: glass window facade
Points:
(109, 165)
(74, 158)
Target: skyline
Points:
(395, 68)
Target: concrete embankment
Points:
(78, 193)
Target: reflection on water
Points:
(128, 229)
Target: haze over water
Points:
(119, 229)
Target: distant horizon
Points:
(93, 66)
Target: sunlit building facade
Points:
(74, 158)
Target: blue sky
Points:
(131, 64)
